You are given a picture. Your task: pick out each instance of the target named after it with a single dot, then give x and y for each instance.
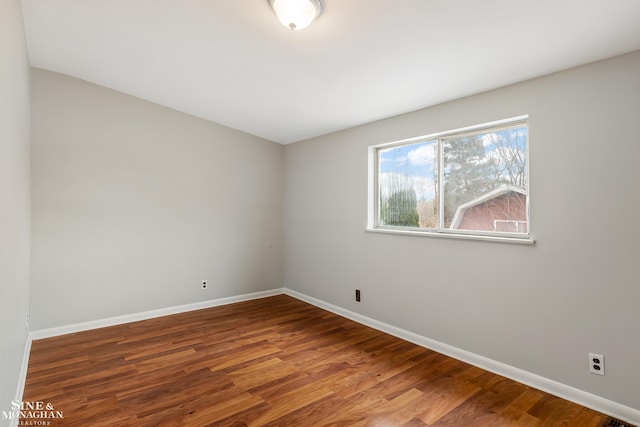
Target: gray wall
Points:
(540, 308)
(134, 204)
(14, 198)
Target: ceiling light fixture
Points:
(296, 14)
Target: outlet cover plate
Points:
(596, 363)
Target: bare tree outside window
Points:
(407, 184)
(477, 164)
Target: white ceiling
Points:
(232, 62)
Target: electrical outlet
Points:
(27, 318)
(596, 363)
(358, 295)
(204, 284)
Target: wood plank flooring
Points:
(274, 362)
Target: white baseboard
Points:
(22, 379)
(119, 320)
(597, 403)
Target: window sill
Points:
(517, 240)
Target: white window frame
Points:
(373, 215)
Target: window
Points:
(472, 182)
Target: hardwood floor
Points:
(274, 362)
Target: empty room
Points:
(320, 213)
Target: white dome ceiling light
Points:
(296, 14)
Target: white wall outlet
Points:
(596, 363)
(204, 284)
(27, 319)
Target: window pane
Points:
(485, 186)
(407, 185)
